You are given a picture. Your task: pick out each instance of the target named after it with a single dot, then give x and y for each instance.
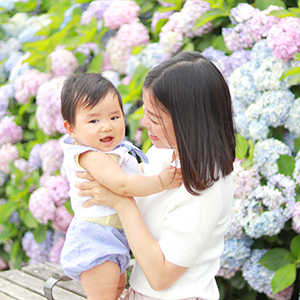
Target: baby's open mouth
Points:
(106, 139)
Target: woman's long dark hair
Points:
(192, 90)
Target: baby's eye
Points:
(114, 118)
(94, 121)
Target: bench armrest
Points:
(51, 282)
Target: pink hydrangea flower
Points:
(191, 11)
(3, 264)
(62, 219)
(26, 85)
(42, 206)
(261, 23)
(284, 38)
(48, 101)
(58, 187)
(62, 62)
(106, 63)
(58, 243)
(10, 132)
(120, 46)
(245, 180)
(22, 164)
(121, 12)
(8, 153)
(51, 156)
(172, 33)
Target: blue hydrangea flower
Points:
(259, 52)
(266, 153)
(288, 137)
(235, 253)
(271, 109)
(292, 122)
(150, 56)
(267, 76)
(9, 46)
(267, 208)
(296, 172)
(257, 276)
(68, 15)
(242, 87)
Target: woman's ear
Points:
(70, 129)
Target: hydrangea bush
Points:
(255, 44)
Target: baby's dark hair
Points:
(84, 90)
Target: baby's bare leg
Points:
(122, 284)
(101, 282)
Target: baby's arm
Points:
(108, 173)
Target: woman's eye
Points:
(153, 121)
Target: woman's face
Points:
(158, 123)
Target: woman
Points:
(176, 236)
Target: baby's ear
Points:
(70, 129)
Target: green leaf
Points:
(26, 6)
(297, 56)
(95, 64)
(242, 146)
(210, 15)
(295, 246)
(160, 24)
(286, 165)
(264, 4)
(275, 259)
(289, 72)
(6, 209)
(29, 220)
(282, 13)
(188, 47)
(238, 281)
(294, 79)
(40, 233)
(283, 278)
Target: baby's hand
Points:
(170, 178)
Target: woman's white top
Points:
(190, 231)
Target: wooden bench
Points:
(29, 283)
(40, 282)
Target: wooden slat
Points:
(17, 292)
(5, 297)
(44, 271)
(36, 285)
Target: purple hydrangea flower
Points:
(157, 16)
(51, 156)
(37, 252)
(121, 12)
(58, 187)
(6, 92)
(94, 10)
(284, 38)
(8, 153)
(48, 102)
(34, 160)
(257, 276)
(62, 62)
(241, 13)
(42, 205)
(26, 85)
(10, 132)
(296, 217)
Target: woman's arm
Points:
(160, 273)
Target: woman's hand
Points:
(99, 194)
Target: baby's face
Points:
(101, 127)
